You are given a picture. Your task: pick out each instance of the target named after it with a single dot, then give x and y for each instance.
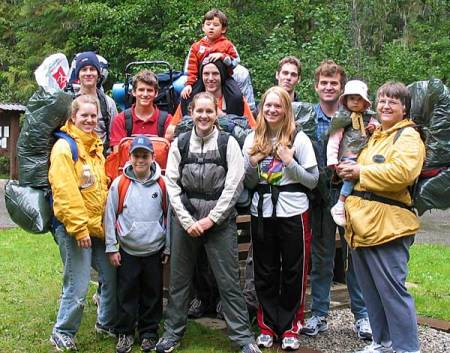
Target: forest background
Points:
(377, 40)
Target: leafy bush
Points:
(4, 166)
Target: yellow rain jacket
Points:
(79, 188)
(387, 169)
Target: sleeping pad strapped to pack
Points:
(430, 109)
(27, 200)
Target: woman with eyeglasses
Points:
(381, 224)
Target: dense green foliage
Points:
(376, 39)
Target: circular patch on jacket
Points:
(378, 158)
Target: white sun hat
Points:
(355, 87)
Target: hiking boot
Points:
(63, 342)
(148, 344)
(376, 348)
(314, 325)
(338, 214)
(166, 345)
(219, 311)
(264, 341)
(290, 343)
(104, 330)
(124, 343)
(363, 329)
(197, 309)
(250, 348)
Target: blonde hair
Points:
(83, 99)
(262, 142)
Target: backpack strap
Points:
(397, 134)
(367, 195)
(124, 184)
(162, 117)
(73, 145)
(74, 151)
(222, 144)
(162, 122)
(183, 147)
(162, 185)
(122, 189)
(105, 115)
(416, 127)
(128, 121)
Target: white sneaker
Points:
(264, 341)
(363, 329)
(338, 214)
(376, 348)
(314, 325)
(290, 343)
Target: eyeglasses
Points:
(389, 102)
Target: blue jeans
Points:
(347, 188)
(323, 250)
(77, 272)
(347, 185)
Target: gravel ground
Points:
(340, 337)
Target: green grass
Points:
(429, 267)
(30, 285)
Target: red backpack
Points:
(116, 160)
(124, 184)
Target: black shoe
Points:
(148, 344)
(108, 331)
(197, 309)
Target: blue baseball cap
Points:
(142, 142)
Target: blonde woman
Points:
(280, 166)
(79, 195)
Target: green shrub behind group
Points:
(377, 40)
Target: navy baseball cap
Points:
(142, 142)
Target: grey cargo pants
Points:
(222, 251)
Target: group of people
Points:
(124, 233)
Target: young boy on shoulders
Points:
(213, 45)
(136, 244)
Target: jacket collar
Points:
(88, 143)
(213, 134)
(378, 133)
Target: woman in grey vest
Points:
(204, 177)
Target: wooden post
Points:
(14, 130)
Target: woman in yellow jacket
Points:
(381, 224)
(79, 194)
